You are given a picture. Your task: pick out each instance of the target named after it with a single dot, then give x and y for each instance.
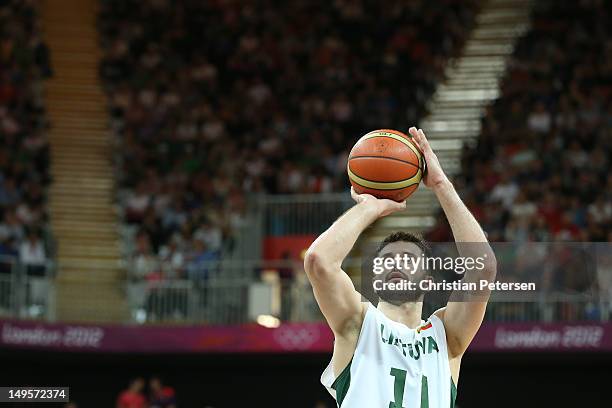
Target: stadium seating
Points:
(211, 102)
(540, 169)
(24, 175)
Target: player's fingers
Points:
(398, 205)
(393, 206)
(422, 135)
(418, 140)
(416, 134)
(416, 137)
(423, 142)
(422, 138)
(413, 131)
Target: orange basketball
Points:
(387, 164)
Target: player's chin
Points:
(398, 297)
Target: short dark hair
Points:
(405, 237)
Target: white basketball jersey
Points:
(395, 367)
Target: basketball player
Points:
(386, 356)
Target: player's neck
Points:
(408, 313)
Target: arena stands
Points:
(541, 168)
(212, 101)
(24, 176)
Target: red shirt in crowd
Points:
(131, 399)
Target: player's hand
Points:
(434, 176)
(382, 206)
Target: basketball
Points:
(387, 164)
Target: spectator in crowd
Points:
(145, 265)
(173, 258)
(33, 257)
(198, 266)
(32, 253)
(8, 254)
(133, 396)
(161, 396)
(11, 228)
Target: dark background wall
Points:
(223, 381)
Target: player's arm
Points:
(461, 319)
(333, 289)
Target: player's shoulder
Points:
(437, 318)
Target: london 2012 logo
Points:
(296, 337)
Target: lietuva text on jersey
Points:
(425, 345)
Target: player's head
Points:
(408, 247)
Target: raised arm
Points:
(333, 289)
(461, 319)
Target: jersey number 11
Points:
(398, 389)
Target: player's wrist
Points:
(371, 208)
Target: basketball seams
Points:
(385, 185)
(382, 169)
(377, 190)
(384, 157)
(387, 189)
(400, 139)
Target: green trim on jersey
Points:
(453, 393)
(342, 383)
(424, 393)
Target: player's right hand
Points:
(434, 176)
(382, 206)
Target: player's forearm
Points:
(331, 247)
(464, 226)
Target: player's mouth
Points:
(396, 276)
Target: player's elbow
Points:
(315, 264)
(312, 261)
(489, 270)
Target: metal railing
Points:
(221, 302)
(26, 291)
(555, 307)
(300, 213)
(281, 289)
(231, 292)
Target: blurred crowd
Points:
(24, 172)
(138, 395)
(211, 101)
(541, 168)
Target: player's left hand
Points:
(434, 176)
